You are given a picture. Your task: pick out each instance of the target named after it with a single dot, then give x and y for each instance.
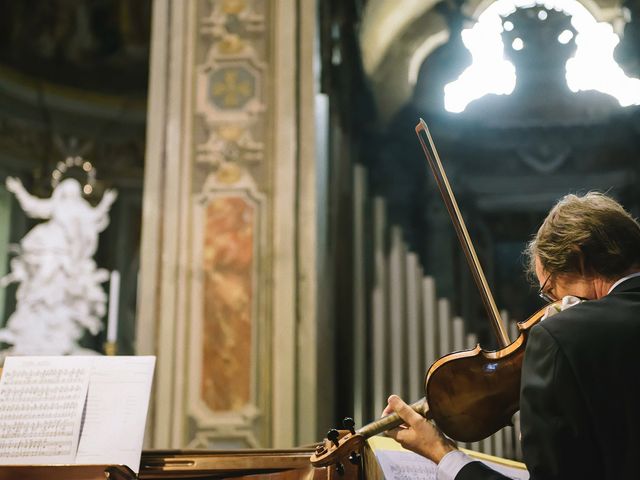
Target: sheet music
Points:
(113, 430)
(405, 465)
(41, 404)
(400, 464)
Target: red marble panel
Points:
(228, 291)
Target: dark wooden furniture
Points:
(195, 465)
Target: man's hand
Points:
(417, 434)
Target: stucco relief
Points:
(229, 207)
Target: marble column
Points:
(228, 248)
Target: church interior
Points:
(250, 170)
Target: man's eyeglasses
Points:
(544, 295)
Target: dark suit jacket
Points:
(579, 399)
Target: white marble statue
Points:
(59, 293)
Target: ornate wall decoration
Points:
(226, 396)
(231, 87)
(230, 98)
(59, 39)
(228, 261)
(544, 158)
(224, 385)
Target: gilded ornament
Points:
(231, 44)
(230, 132)
(228, 173)
(233, 7)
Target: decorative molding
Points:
(222, 132)
(543, 158)
(230, 102)
(233, 255)
(229, 129)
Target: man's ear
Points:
(584, 271)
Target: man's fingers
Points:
(387, 411)
(393, 433)
(406, 413)
(404, 435)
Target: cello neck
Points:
(392, 421)
(461, 230)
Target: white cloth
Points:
(451, 464)
(637, 274)
(566, 302)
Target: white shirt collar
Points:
(623, 279)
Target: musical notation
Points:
(35, 448)
(41, 405)
(74, 410)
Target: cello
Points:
(469, 394)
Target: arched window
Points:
(591, 68)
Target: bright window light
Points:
(488, 73)
(565, 37)
(592, 67)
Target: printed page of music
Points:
(116, 412)
(41, 405)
